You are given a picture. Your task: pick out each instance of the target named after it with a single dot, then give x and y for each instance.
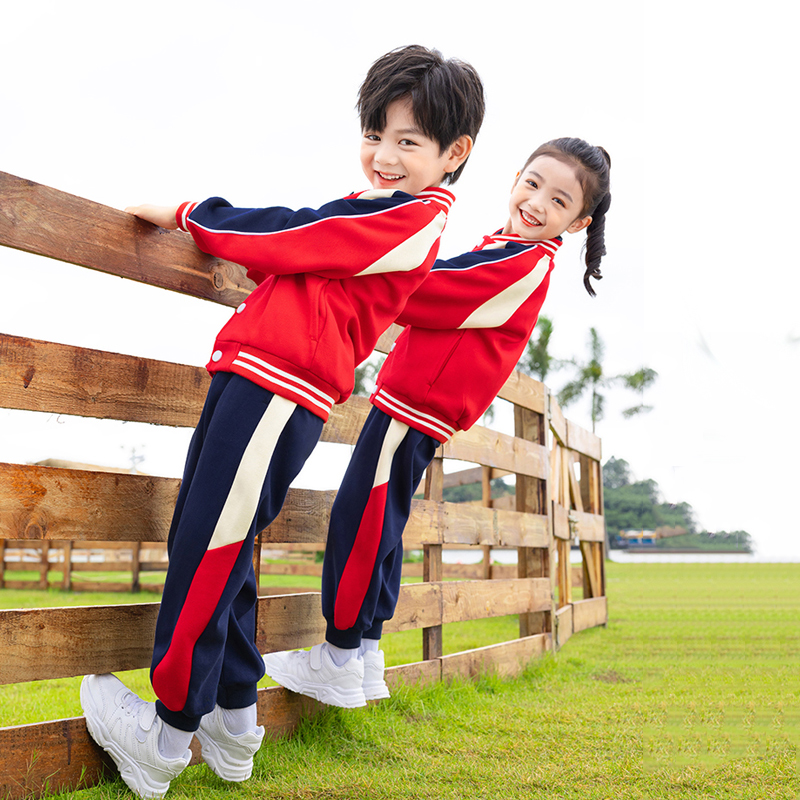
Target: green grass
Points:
(692, 692)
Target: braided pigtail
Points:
(596, 232)
(596, 244)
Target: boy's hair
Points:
(593, 170)
(446, 96)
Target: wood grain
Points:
(48, 222)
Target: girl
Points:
(467, 326)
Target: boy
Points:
(468, 324)
(329, 283)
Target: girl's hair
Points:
(593, 170)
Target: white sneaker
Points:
(231, 757)
(313, 673)
(374, 685)
(127, 728)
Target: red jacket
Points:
(330, 281)
(468, 325)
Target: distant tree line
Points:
(632, 505)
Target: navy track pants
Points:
(248, 447)
(364, 553)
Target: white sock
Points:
(240, 720)
(369, 645)
(340, 655)
(173, 742)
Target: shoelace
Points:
(132, 703)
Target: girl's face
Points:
(546, 201)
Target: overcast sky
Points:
(254, 101)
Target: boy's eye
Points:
(407, 142)
(373, 137)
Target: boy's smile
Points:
(401, 156)
(546, 201)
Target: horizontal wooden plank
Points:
(67, 758)
(464, 600)
(564, 625)
(493, 449)
(589, 613)
(47, 222)
(465, 477)
(51, 503)
(591, 527)
(39, 644)
(58, 504)
(584, 442)
(522, 390)
(507, 659)
(61, 379)
(418, 673)
(62, 642)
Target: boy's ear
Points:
(458, 152)
(579, 224)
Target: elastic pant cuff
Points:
(238, 695)
(177, 718)
(347, 640)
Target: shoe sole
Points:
(130, 772)
(215, 758)
(376, 691)
(330, 695)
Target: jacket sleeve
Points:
(479, 289)
(365, 234)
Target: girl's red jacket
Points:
(330, 281)
(468, 325)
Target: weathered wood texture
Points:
(47, 222)
(507, 659)
(41, 644)
(52, 503)
(62, 756)
(65, 507)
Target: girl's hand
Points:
(163, 216)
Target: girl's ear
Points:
(516, 180)
(579, 224)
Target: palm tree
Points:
(536, 360)
(590, 377)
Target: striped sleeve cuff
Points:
(182, 214)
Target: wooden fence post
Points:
(44, 563)
(66, 575)
(135, 567)
(533, 497)
(486, 501)
(432, 558)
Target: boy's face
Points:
(401, 156)
(546, 201)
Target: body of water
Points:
(474, 555)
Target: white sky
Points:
(166, 101)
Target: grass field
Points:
(692, 691)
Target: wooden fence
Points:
(553, 505)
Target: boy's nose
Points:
(386, 155)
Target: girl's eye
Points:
(532, 184)
(559, 201)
